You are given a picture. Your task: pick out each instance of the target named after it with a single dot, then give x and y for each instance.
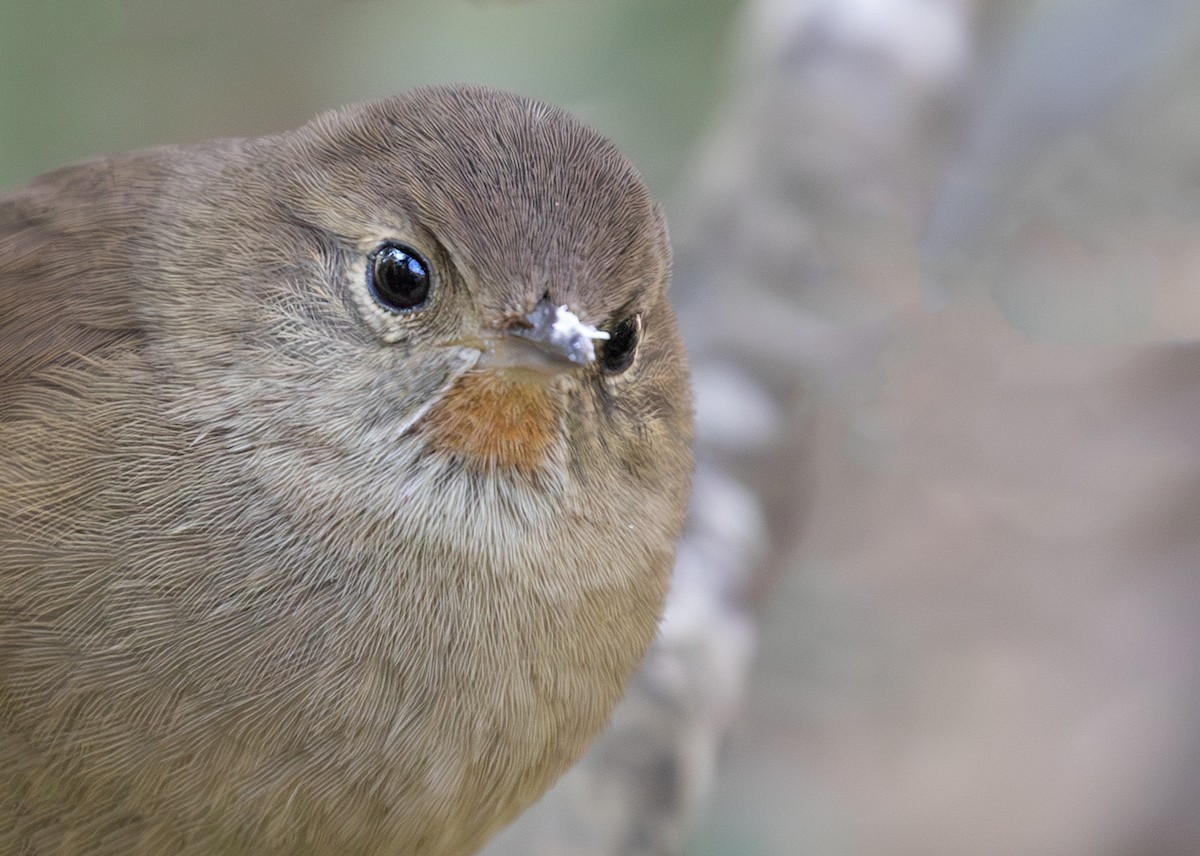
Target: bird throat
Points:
(495, 420)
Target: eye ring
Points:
(618, 352)
(398, 278)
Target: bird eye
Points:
(618, 351)
(398, 277)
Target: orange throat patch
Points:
(494, 420)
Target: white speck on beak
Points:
(558, 331)
(574, 337)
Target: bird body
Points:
(287, 565)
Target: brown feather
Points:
(244, 607)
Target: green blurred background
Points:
(97, 76)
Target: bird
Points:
(341, 472)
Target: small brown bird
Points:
(340, 478)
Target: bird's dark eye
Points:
(618, 351)
(398, 277)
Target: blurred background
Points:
(938, 263)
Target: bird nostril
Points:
(513, 321)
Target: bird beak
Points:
(550, 338)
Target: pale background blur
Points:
(939, 263)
